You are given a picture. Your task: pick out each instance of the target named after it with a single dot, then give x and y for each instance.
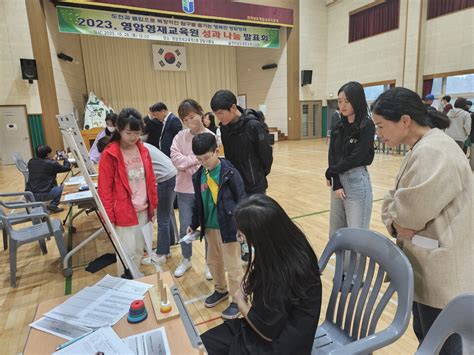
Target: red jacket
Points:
(114, 189)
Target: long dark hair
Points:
(396, 102)
(128, 116)
(355, 94)
(284, 260)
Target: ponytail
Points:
(396, 102)
(438, 119)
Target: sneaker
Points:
(208, 274)
(231, 312)
(154, 259)
(215, 299)
(55, 209)
(182, 268)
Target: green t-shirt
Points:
(210, 209)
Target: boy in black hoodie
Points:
(245, 141)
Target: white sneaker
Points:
(154, 259)
(182, 268)
(208, 274)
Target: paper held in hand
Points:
(190, 237)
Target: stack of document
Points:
(106, 341)
(103, 304)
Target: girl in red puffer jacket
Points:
(127, 185)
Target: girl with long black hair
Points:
(280, 296)
(351, 150)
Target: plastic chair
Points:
(353, 310)
(21, 165)
(43, 228)
(456, 317)
(28, 197)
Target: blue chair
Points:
(354, 307)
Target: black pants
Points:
(222, 339)
(423, 318)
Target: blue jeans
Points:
(54, 195)
(356, 208)
(166, 197)
(185, 207)
(423, 318)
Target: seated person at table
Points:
(42, 177)
(280, 295)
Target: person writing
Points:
(431, 201)
(42, 177)
(280, 296)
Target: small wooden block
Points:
(156, 301)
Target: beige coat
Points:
(433, 196)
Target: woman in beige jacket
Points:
(432, 198)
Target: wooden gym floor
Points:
(297, 182)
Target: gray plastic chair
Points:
(44, 228)
(28, 197)
(21, 165)
(351, 319)
(456, 317)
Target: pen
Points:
(72, 341)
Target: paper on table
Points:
(117, 283)
(94, 307)
(104, 341)
(75, 180)
(424, 242)
(190, 237)
(59, 328)
(147, 231)
(78, 196)
(149, 343)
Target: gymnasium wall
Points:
(313, 48)
(265, 87)
(368, 60)
(449, 43)
(121, 72)
(69, 77)
(15, 43)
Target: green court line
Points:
(324, 211)
(68, 286)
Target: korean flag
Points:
(169, 57)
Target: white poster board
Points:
(68, 123)
(95, 112)
(128, 264)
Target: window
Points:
(372, 92)
(437, 86)
(442, 7)
(460, 84)
(376, 19)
